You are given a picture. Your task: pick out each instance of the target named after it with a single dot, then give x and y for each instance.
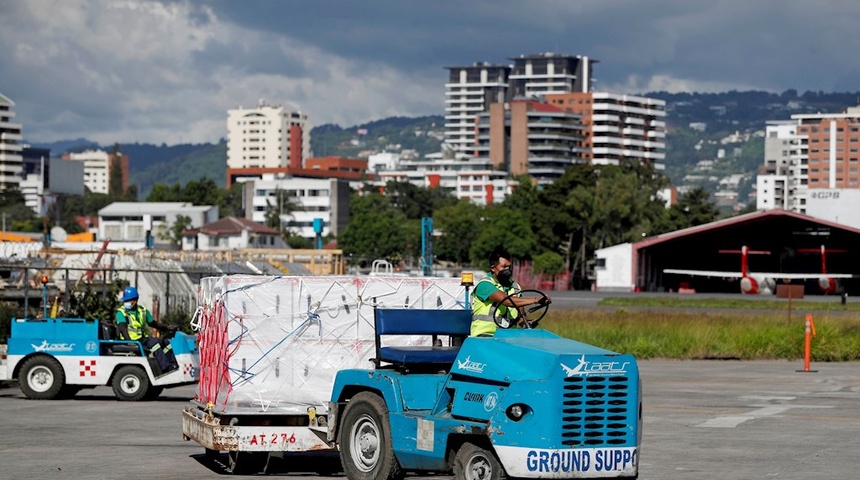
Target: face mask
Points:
(505, 275)
(127, 305)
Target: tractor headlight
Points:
(517, 411)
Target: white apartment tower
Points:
(618, 128)
(267, 136)
(469, 92)
(781, 162)
(97, 168)
(11, 161)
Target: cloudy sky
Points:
(167, 71)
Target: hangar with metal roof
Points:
(780, 241)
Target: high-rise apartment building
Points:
(469, 92)
(11, 162)
(544, 73)
(618, 127)
(522, 117)
(267, 137)
(530, 137)
(471, 89)
(809, 154)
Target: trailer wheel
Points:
(366, 451)
(130, 383)
(475, 463)
(246, 463)
(42, 378)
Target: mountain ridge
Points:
(714, 116)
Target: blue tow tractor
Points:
(57, 357)
(524, 403)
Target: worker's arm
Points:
(518, 302)
(122, 331)
(157, 325)
(121, 326)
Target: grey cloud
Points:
(350, 62)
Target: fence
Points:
(22, 285)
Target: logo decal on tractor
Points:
(53, 347)
(471, 366)
(491, 401)
(586, 368)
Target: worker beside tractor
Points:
(133, 321)
(57, 357)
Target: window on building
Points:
(135, 232)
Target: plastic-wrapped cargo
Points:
(274, 344)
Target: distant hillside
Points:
(204, 161)
(423, 135)
(699, 127)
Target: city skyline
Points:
(147, 71)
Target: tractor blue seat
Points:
(409, 321)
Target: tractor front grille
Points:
(596, 410)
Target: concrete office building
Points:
(130, 221)
(472, 179)
(324, 198)
(11, 162)
(267, 136)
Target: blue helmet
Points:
(130, 293)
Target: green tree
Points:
(549, 263)
(91, 303)
(375, 234)
(173, 234)
(693, 208)
(458, 225)
(115, 188)
(15, 213)
(503, 227)
(231, 201)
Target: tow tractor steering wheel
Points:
(530, 315)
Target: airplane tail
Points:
(823, 251)
(745, 251)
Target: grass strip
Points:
(708, 335)
(715, 302)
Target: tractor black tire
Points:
(41, 378)
(153, 393)
(366, 449)
(68, 392)
(130, 383)
(475, 463)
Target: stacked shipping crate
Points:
(275, 344)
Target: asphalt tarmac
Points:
(703, 419)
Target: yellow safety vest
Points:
(136, 322)
(483, 311)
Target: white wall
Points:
(617, 273)
(838, 205)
